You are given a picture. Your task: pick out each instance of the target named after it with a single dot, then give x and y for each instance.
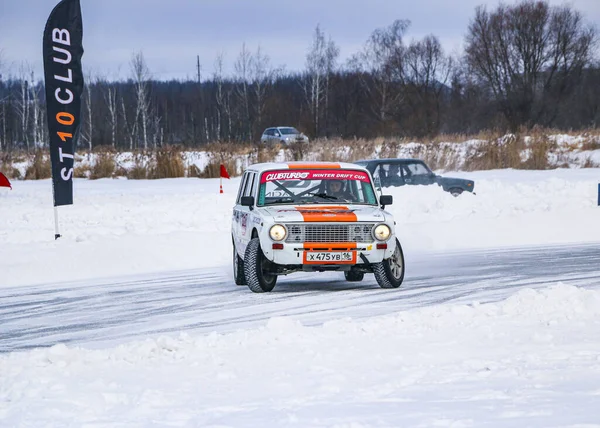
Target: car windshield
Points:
(289, 131)
(315, 186)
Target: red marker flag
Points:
(224, 173)
(4, 181)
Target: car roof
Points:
(267, 166)
(277, 127)
(399, 160)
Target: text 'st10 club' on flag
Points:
(63, 49)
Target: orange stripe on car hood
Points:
(313, 165)
(327, 214)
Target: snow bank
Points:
(531, 360)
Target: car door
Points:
(237, 211)
(269, 135)
(264, 138)
(420, 174)
(244, 222)
(388, 174)
(406, 174)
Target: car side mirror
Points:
(386, 200)
(247, 201)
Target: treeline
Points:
(524, 65)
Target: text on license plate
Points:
(330, 257)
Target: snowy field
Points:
(522, 348)
(123, 227)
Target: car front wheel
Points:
(390, 272)
(256, 269)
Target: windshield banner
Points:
(314, 174)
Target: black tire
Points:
(455, 191)
(256, 269)
(352, 276)
(239, 275)
(390, 272)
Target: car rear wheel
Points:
(256, 269)
(238, 268)
(390, 272)
(455, 191)
(352, 276)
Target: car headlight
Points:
(277, 232)
(382, 232)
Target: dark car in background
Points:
(401, 172)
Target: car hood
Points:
(324, 213)
(451, 180)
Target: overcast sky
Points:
(171, 33)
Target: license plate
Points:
(337, 257)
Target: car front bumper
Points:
(294, 254)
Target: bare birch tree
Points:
(242, 67)
(219, 96)
(37, 121)
(320, 61)
(23, 104)
(130, 130)
(3, 100)
(87, 135)
(262, 76)
(141, 77)
(110, 98)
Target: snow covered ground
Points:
(514, 351)
(122, 227)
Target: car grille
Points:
(355, 232)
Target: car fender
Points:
(448, 183)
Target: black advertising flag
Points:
(63, 49)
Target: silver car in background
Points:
(283, 135)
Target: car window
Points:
(242, 186)
(388, 174)
(289, 131)
(417, 168)
(254, 184)
(276, 133)
(307, 186)
(249, 184)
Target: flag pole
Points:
(56, 233)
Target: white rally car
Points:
(312, 217)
